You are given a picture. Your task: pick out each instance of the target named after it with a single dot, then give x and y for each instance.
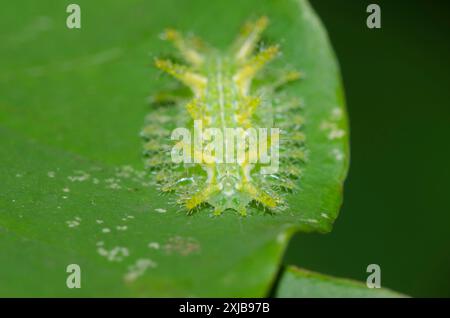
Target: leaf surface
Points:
(72, 103)
(300, 283)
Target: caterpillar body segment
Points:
(224, 97)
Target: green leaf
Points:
(296, 282)
(72, 103)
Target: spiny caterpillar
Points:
(229, 91)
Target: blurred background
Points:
(396, 210)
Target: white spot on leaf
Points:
(153, 245)
(138, 269)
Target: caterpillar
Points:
(226, 90)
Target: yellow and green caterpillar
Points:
(227, 90)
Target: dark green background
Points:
(396, 206)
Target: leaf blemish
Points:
(121, 228)
(79, 176)
(73, 223)
(181, 245)
(338, 154)
(116, 254)
(332, 127)
(153, 245)
(324, 215)
(138, 269)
